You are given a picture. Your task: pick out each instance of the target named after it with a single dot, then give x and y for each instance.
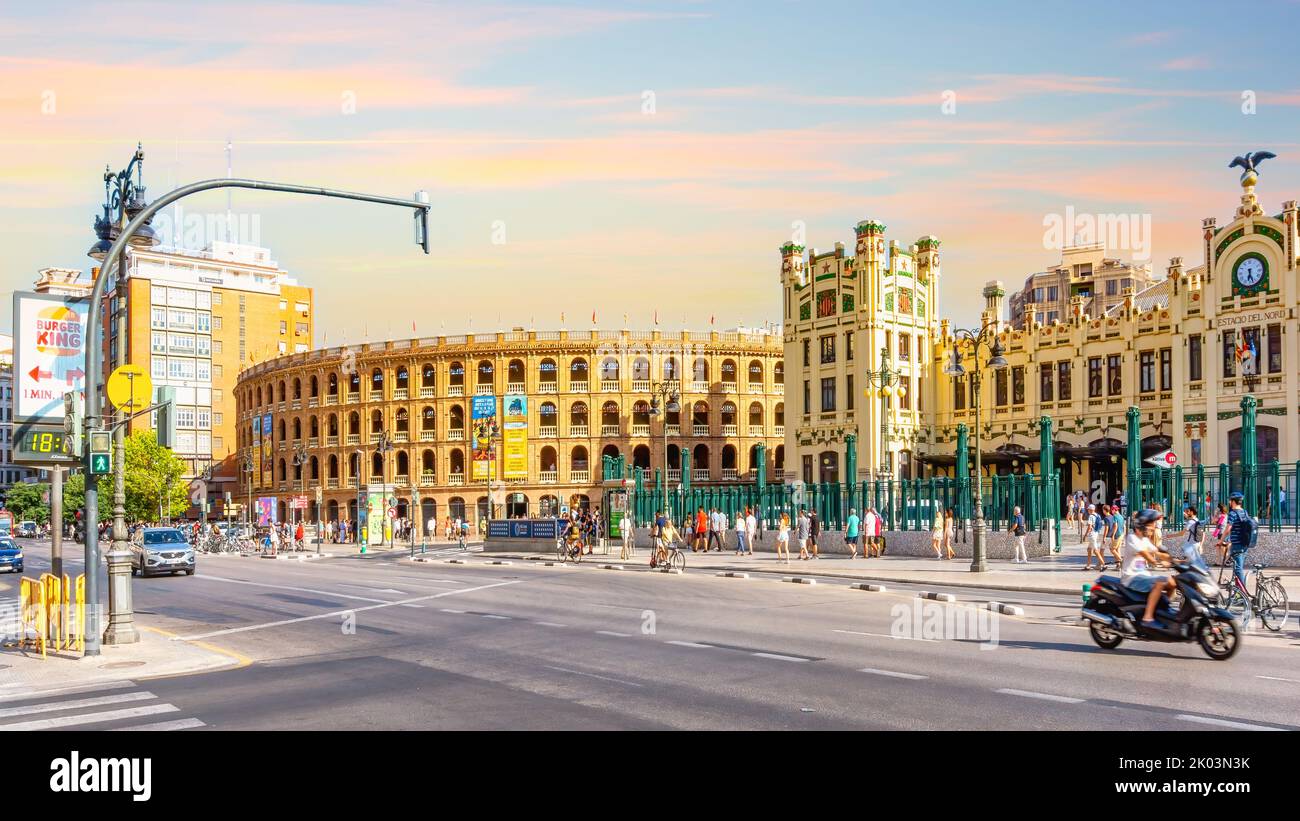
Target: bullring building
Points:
(1184, 349)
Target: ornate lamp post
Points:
(300, 458)
(385, 447)
(665, 398)
(884, 383)
(987, 337)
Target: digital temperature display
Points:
(40, 444)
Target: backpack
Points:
(1254, 532)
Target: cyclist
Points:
(667, 536)
(573, 540)
(1237, 531)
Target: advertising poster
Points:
(377, 516)
(49, 354)
(514, 422)
(256, 453)
(483, 417)
(265, 510)
(267, 471)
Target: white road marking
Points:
(1044, 696)
(1276, 678)
(449, 610)
(375, 589)
(88, 718)
(689, 644)
(779, 657)
(494, 616)
(329, 593)
(340, 613)
(549, 624)
(1219, 722)
(593, 675)
(612, 633)
(882, 635)
(892, 673)
(65, 691)
(55, 706)
(165, 726)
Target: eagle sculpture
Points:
(1249, 161)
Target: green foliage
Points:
(24, 501)
(153, 476)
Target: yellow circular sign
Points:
(130, 389)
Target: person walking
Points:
(713, 531)
(1238, 532)
(701, 532)
(1018, 533)
(783, 539)
(1220, 521)
(851, 530)
(814, 529)
(949, 529)
(751, 529)
(742, 532)
(802, 529)
(869, 522)
(1118, 531)
(724, 524)
(1093, 539)
(936, 533)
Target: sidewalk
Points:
(154, 656)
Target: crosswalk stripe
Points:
(165, 726)
(75, 704)
(66, 691)
(88, 718)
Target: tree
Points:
(25, 502)
(74, 496)
(154, 480)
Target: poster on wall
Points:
(514, 418)
(267, 471)
(49, 354)
(255, 454)
(265, 510)
(483, 416)
(377, 518)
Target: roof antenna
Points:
(230, 214)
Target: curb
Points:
(872, 588)
(1005, 609)
(498, 561)
(457, 561)
(732, 575)
(798, 580)
(611, 567)
(944, 597)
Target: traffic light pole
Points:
(56, 522)
(95, 349)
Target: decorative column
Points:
(1134, 466)
(1249, 453)
(961, 473)
(850, 465)
(1046, 469)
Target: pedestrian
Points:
(1093, 539)
(802, 528)
(751, 529)
(701, 530)
(814, 528)
(1117, 534)
(936, 533)
(713, 531)
(1220, 520)
(783, 539)
(869, 522)
(851, 530)
(1018, 535)
(949, 528)
(298, 537)
(724, 524)
(1238, 534)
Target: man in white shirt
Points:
(751, 525)
(742, 531)
(724, 523)
(869, 533)
(1140, 554)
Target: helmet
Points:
(1144, 518)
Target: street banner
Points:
(267, 471)
(265, 509)
(49, 354)
(514, 419)
(256, 452)
(483, 416)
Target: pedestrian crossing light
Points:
(73, 403)
(167, 417)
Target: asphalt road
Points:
(382, 643)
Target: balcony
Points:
(548, 477)
(515, 387)
(455, 390)
(313, 442)
(375, 396)
(426, 393)
(577, 387)
(699, 474)
(296, 404)
(354, 397)
(354, 439)
(778, 430)
(402, 436)
(755, 430)
(456, 479)
(609, 385)
(730, 430)
(280, 407)
(700, 430)
(674, 474)
(728, 387)
(779, 389)
(610, 430)
(755, 387)
(456, 435)
(428, 435)
(730, 474)
(331, 399)
(402, 481)
(640, 385)
(577, 430)
(548, 431)
(401, 393)
(332, 483)
(579, 477)
(313, 401)
(426, 480)
(698, 386)
(484, 390)
(673, 430)
(331, 441)
(641, 430)
(352, 481)
(548, 387)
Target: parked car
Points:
(27, 530)
(11, 555)
(161, 550)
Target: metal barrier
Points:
(53, 613)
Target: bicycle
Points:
(566, 551)
(675, 559)
(1269, 600)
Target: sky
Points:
(634, 158)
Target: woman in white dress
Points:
(783, 539)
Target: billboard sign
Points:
(483, 416)
(256, 454)
(265, 508)
(268, 474)
(49, 353)
(514, 419)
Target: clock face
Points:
(1249, 272)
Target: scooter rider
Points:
(1139, 554)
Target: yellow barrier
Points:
(48, 606)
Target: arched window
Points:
(641, 369)
(729, 415)
(333, 466)
(578, 416)
(728, 458)
(700, 369)
(778, 372)
(456, 508)
(729, 372)
(315, 388)
(403, 378)
(354, 382)
(427, 463)
(314, 471)
(778, 415)
(578, 458)
(354, 423)
(354, 466)
(377, 381)
(778, 460)
(332, 385)
(753, 458)
(332, 425)
(641, 417)
(426, 375)
(609, 450)
(515, 376)
(376, 421)
(578, 375)
(259, 396)
(428, 419)
(486, 371)
(282, 429)
(700, 458)
(457, 419)
(456, 377)
(547, 462)
(403, 463)
(281, 390)
(284, 473)
(297, 472)
(641, 457)
(315, 428)
(609, 369)
(755, 375)
(546, 375)
(609, 418)
(377, 466)
(672, 369)
(548, 416)
(403, 421)
(297, 388)
(755, 418)
(700, 419)
(457, 461)
(297, 429)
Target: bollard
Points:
(1087, 591)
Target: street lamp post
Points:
(247, 469)
(139, 216)
(386, 447)
(205, 476)
(665, 398)
(884, 383)
(987, 337)
(301, 458)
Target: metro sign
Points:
(1164, 459)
